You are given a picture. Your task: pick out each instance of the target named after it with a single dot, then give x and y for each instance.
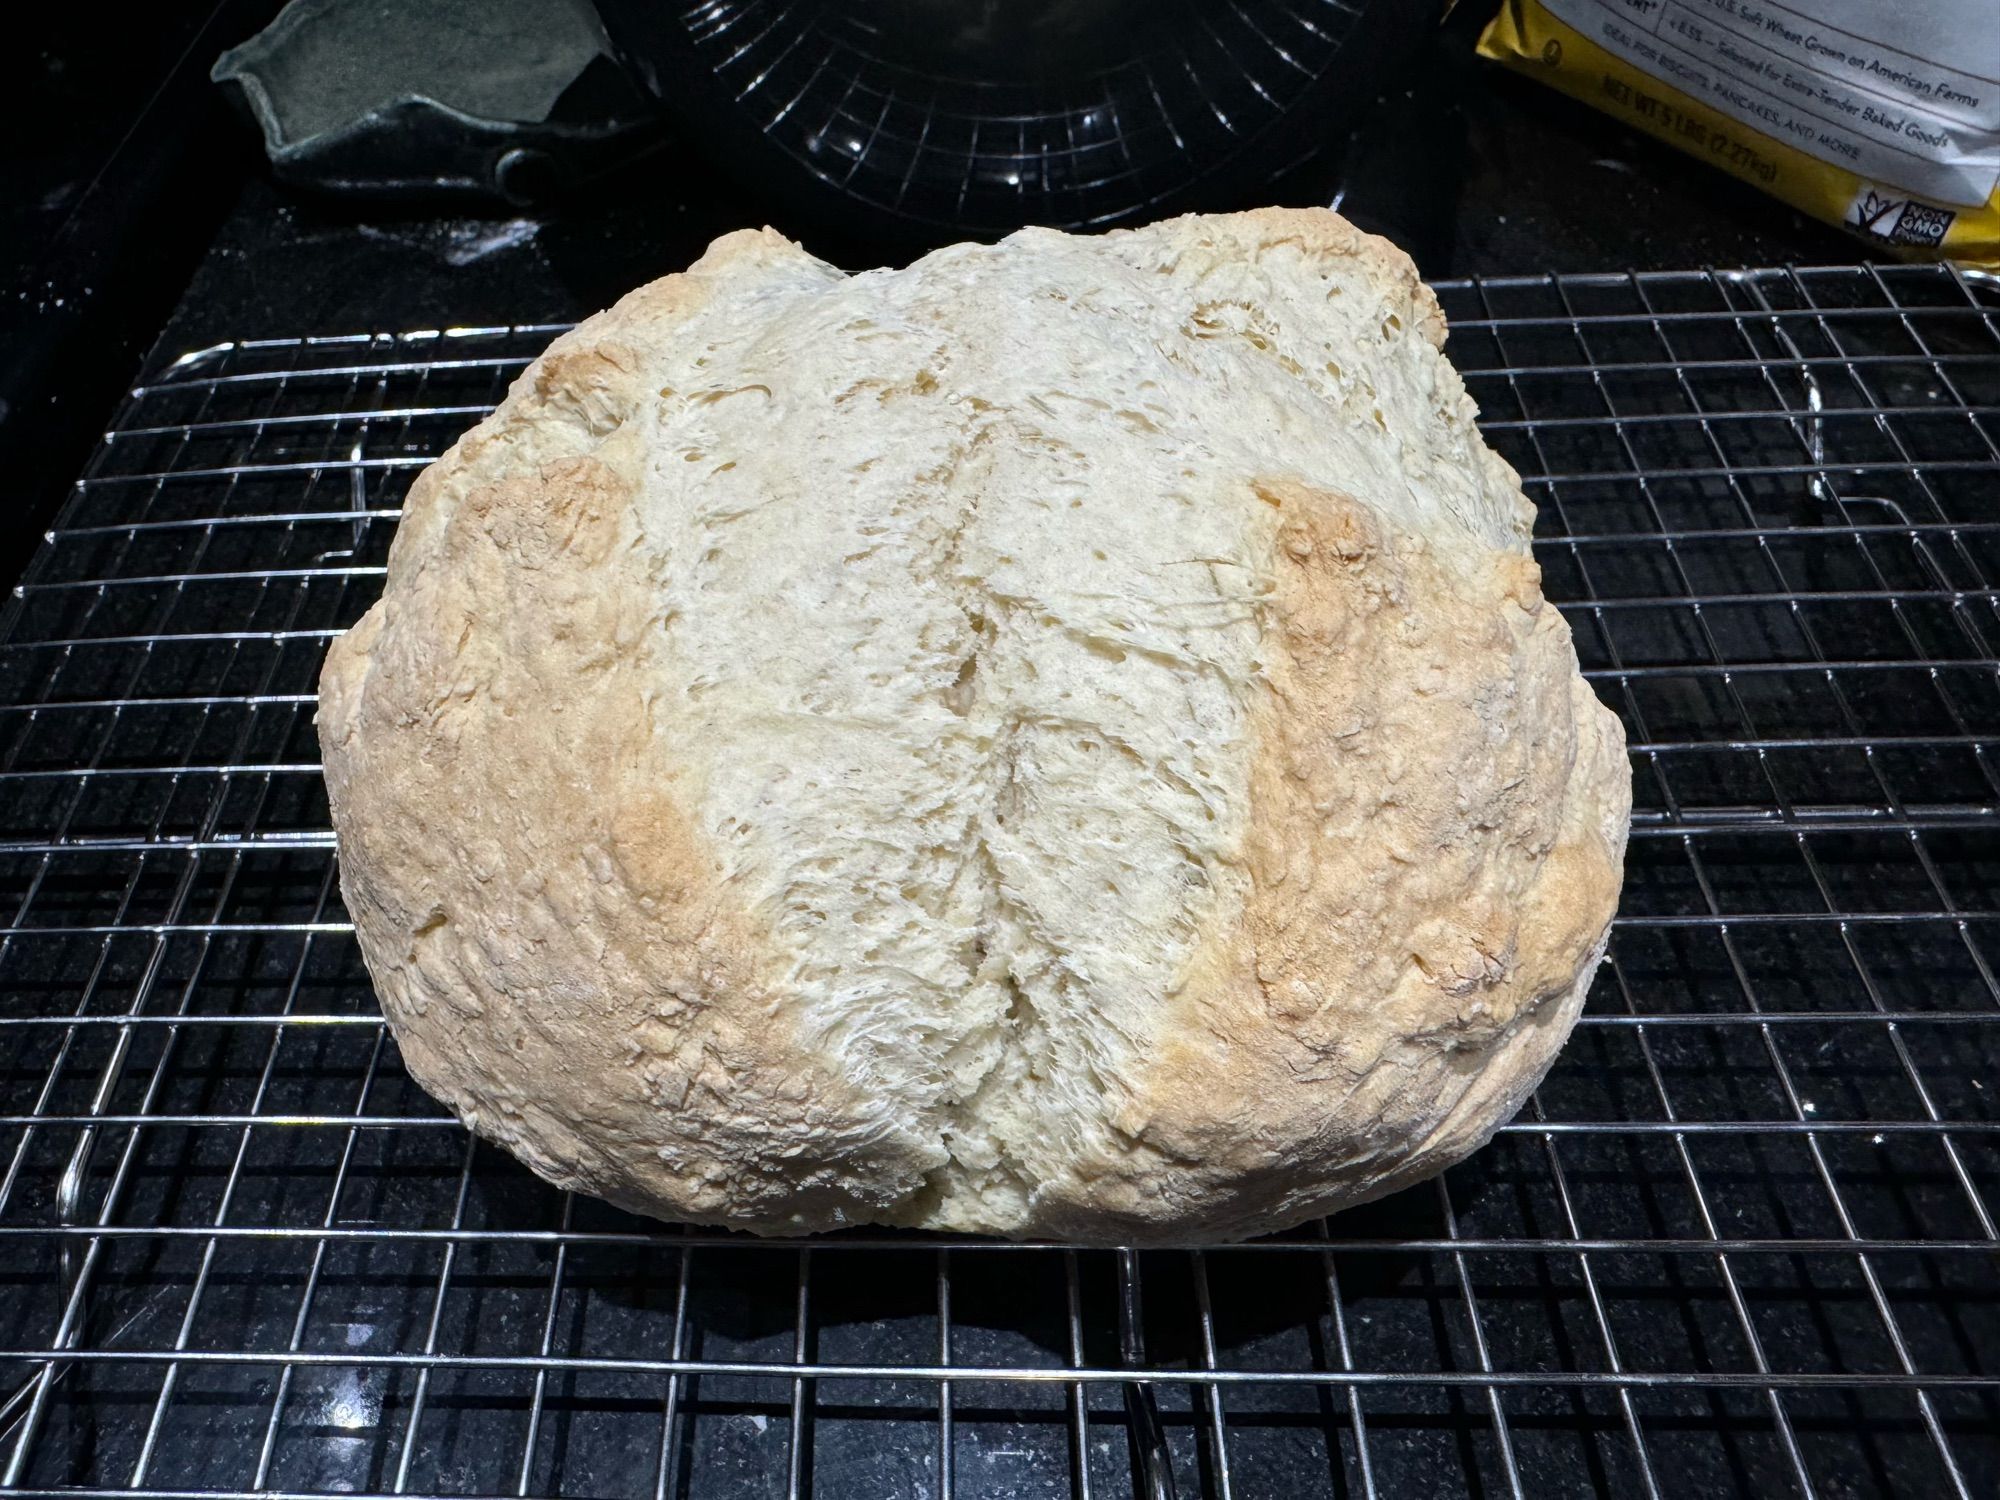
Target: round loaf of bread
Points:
(1063, 740)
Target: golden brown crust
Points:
(1438, 819)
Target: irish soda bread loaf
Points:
(1061, 740)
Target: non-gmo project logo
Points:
(1898, 219)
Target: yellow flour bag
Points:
(1881, 116)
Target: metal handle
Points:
(1152, 1472)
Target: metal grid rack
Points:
(1742, 1241)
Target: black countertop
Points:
(1472, 169)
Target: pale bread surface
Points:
(1061, 740)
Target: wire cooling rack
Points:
(1742, 1241)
